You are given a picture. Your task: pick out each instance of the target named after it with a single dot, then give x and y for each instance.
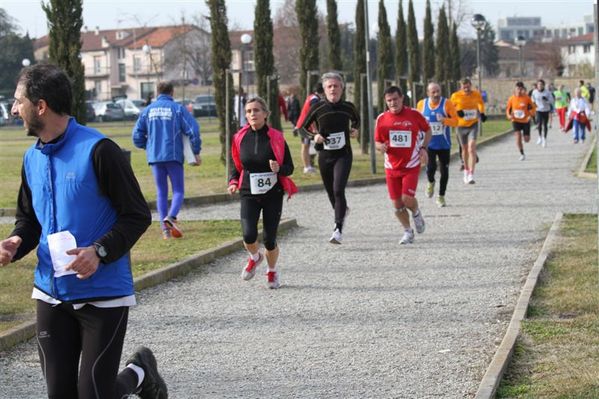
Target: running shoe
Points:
(430, 189)
(408, 237)
(544, 142)
(336, 237)
(309, 170)
(539, 140)
(166, 234)
(441, 201)
(470, 178)
(418, 222)
(170, 223)
(522, 157)
(272, 279)
(249, 270)
(465, 176)
(152, 386)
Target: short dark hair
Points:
(520, 84)
(165, 88)
(541, 81)
(318, 88)
(465, 81)
(393, 89)
(49, 83)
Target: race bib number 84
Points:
(261, 183)
(400, 138)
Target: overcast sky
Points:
(109, 14)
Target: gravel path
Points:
(369, 318)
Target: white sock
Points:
(139, 371)
(272, 268)
(255, 256)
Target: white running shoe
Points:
(419, 222)
(539, 140)
(430, 189)
(309, 170)
(522, 157)
(336, 238)
(249, 270)
(465, 176)
(272, 279)
(544, 142)
(408, 237)
(470, 178)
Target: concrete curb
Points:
(26, 330)
(494, 373)
(585, 161)
(222, 198)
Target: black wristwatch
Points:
(100, 250)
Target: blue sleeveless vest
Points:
(441, 139)
(66, 196)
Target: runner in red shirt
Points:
(402, 135)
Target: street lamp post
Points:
(478, 22)
(520, 42)
(25, 62)
(246, 39)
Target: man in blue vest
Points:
(80, 204)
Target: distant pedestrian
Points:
(262, 166)
(402, 135)
(578, 116)
(561, 97)
(519, 110)
(160, 130)
(293, 108)
(81, 206)
(441, 116)
(307, 141)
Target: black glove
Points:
(544, 98)
(529, 107)
(295, 133)
(461, 113)
(483, 117)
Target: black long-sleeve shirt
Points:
(117, 181)
(255, 152)
(330, 118)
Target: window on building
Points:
(571, 49)
(122, 76)
(136, 64)
(98, 89)
(147, 90)
(121, 53)
(586, 48)
(97, 65)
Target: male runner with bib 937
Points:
(336, 121)
(262, 164)
(402, 135)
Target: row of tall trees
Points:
(15, 48)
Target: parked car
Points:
(131, 110)
(90, 114)
(188, 104)
(141, 104)
(108, 111)
(4, 114)
(204, 105)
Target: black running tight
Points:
(334, 170)
(431, 168)
(94, 335)
(271, 206)
(542, 120)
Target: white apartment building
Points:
(578, 55)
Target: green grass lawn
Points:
(150, 253)
(209, 178)
(592, 165)
(557, 352)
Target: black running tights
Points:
(271, 206)
(334, 170)
(431, 168)
(542, 120)
(91, 334)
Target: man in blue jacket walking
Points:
(81, 206)
(161, 130)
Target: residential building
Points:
(131, 61)
(578, 54)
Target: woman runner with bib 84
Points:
(262, 164)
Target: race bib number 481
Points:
(261, 183)
(400, 138)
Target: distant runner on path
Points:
(336, 121)
(441, 115)
(262, 164)
(399, 136)
(519, 110)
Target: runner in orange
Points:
(520, 108)
(470, 107)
